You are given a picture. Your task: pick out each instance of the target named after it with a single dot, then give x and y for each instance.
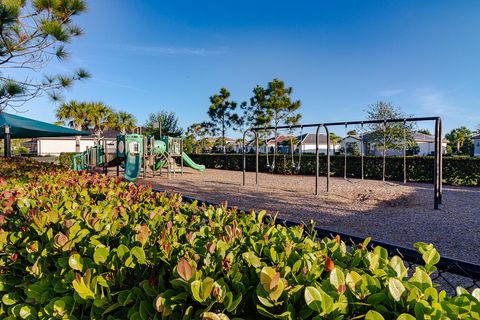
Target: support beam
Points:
(7, 144)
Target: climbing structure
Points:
(136, 153)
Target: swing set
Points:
(437, 171)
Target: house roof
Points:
(310, 138)
(420, 137)
(476, 137)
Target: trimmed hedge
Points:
(65, 159)
(456, 171)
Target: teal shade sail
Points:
(21, 127)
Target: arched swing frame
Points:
(437, 171)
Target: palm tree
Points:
(334, 140)
(76, 115)
(100, 117)
(125, 121)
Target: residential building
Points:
(424, 142)
(307, 143)
(54, 146)
(476, 144)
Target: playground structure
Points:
(437, 171)
(137, 154)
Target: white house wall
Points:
(55, 147)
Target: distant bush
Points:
(456, 170)
(65, 159)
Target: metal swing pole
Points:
(437, 174)
(317, 158)
(361, 155)
(384, 148)
(245, 155)
(345, 156)
(404, 151)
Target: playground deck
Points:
(391, 212)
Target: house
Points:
(54, 146)
(307, 143)
(476, 145)
(351, 143)
(425, 145)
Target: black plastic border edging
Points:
(458, 267)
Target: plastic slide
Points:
(189, 162)
(160, 164)
(133, 164)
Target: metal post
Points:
(328, 158)
(362, 152)
(384, 148)
(244, 158)
(118, 161)
(7, 152)
(181, 157)
(436, 168)
(404, 151)
(440, 154)
(256, 157)
(317, 158)
(345, 155)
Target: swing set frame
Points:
(437, 170)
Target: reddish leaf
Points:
(329, 265)
(184, 269)
(275, 281)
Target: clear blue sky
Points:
(339, 56)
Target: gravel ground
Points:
(390, 212)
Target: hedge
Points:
(81, 246)
(456, 171)
(65, 159)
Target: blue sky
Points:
(339, 56)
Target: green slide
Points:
(189, 162)
(159, 164)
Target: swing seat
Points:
(295, 169)
(270, 168)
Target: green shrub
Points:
(456, 171)
(65, 159)
(78, 246)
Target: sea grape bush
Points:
(80, 246)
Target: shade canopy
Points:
(21, 127)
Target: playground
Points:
(392, 212)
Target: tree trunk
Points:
(77, 140)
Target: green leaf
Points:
(10, 298)
(82, 289)
(337, 278)
(421, 279)
(313, 298)
(476, 293)
(396, 288)
(431, 256)
(373, 315)
(75, 262)
(139, 253)
(100, 255)
(405, 316)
